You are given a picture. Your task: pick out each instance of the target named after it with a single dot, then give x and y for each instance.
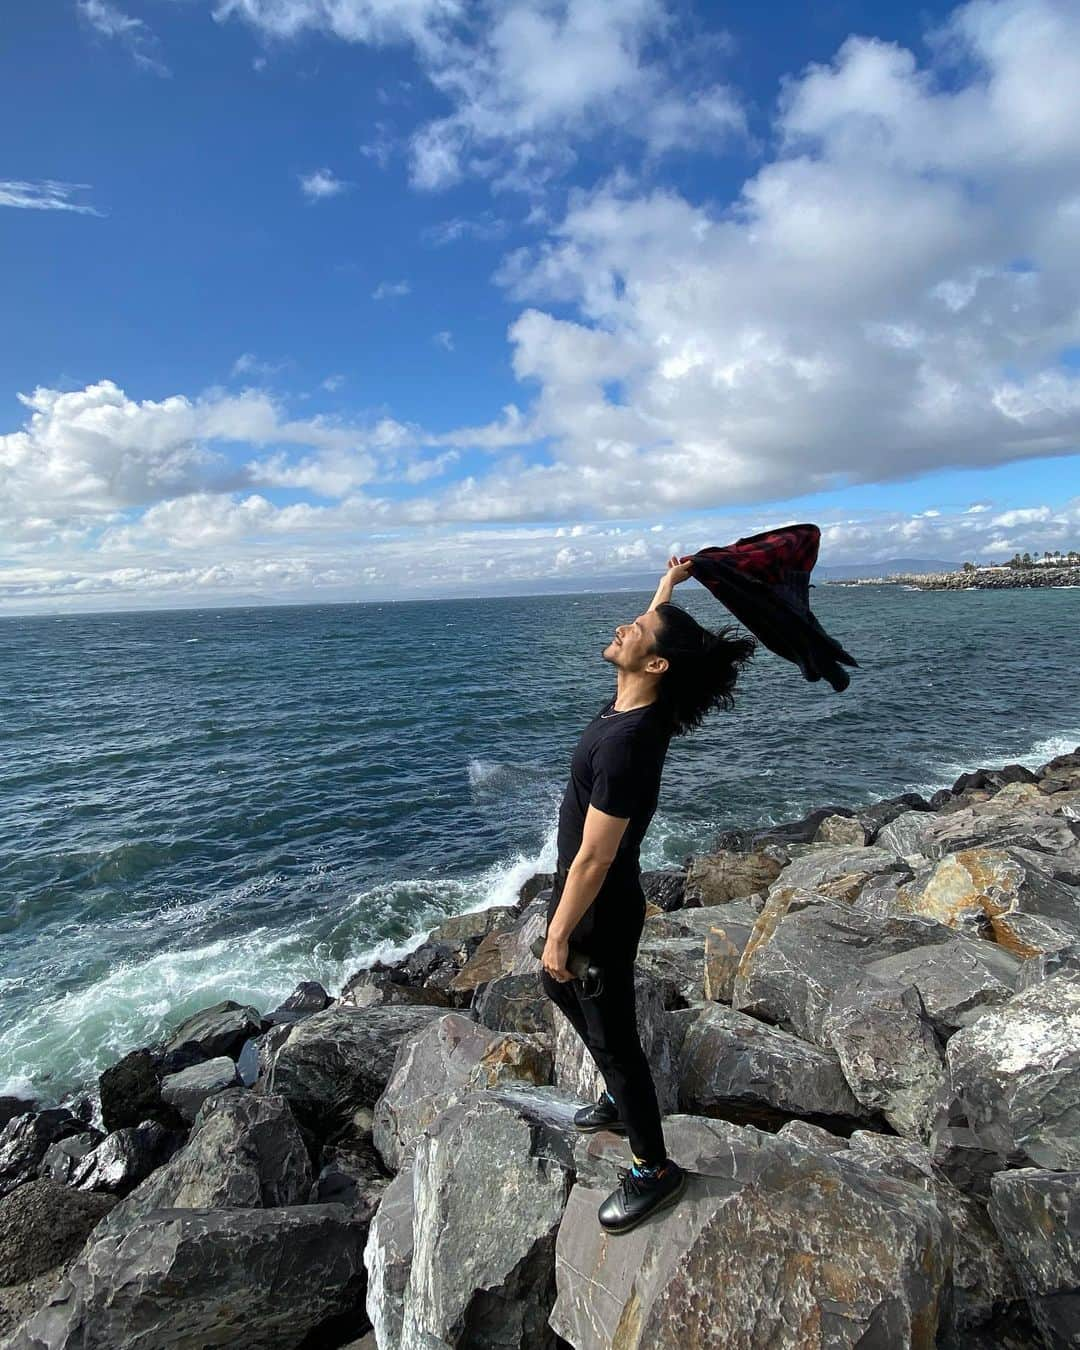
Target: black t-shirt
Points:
(617, 767)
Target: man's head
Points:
(691, 669)
(633, 647)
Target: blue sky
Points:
(297, 289)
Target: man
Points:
(669, 673)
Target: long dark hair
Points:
(702, 667)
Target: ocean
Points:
(218, 803)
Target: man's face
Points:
(632, 646)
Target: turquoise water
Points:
(209, 804)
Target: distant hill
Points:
(889, 567)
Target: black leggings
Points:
(608, 1026)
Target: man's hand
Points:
(678, 571)
(554, 959)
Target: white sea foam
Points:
(1032, 756)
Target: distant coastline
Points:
(975, 579)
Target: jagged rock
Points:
(308, 997)
(188, 1089)
(388, 1259)
(218, 1030)
(957, 981)
(514, 1003)
(717, 878)
(378, 988)
(25, 1140)
(678, 961)
(660, 1033)
(539, 881)
(664, 888)
(1063, 961)
(994, 779)
(10, 1107)
(879, 814)
(60, 1158)
(245, 1152)
(122, 1159)
(794, 964)
(41, 1224)
(773, 1243)
(999, 822)
(904, 835)
(492, 1285)
(340, 1059)
(848, 830)
(432, 963)
(878, 895)
(130, 1092)
(888, 1051)
(350, 1176)
(811, 1136)
(974, 887)
(180, 1278)
(438, 1065)
(1027, 935)
(458, 929)
(1016, 1071)
(722, 932)
(791, 832)
(1037, 1214)
(255, 1058)
(826, 862)
(736, 1067)
(492, 959)
(982, 1277)
(1061, 774)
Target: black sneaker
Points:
(639, 1197)
(602, 1115)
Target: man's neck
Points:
(633, 692)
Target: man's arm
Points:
(599, 844)
(676, 572)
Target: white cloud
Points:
(485, 226)
(333, 383)
(444, 339)
(526, 80)
(247, 363)
(44, 195)
(111, 22)
(390, 290)
(321, 184)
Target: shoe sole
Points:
(656, 1209)
(616, 1127)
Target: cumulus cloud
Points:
(321, 184)
(390, 290)
(526, 81)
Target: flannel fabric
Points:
(764, 580)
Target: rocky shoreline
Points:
(979, 579)
(864, 1028)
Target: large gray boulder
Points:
(974, 888)
(220, 1029)
(25, 1140)
(827, 862)
(723, 932)
(677, 961)
(187, 1279)
(794, 965)
(437, 1065)
(1016, 1071)
(117, 1163)
(718, 878)
(888, 1051)
(514, 1003)
(1037, 1214)
(340, 1059)
(734, 1066)
(490, 1181)
(245, 1152)
(772, 1244)
(983, 1279)
(388, 1256)
(1016, 815)
(190, 1087)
